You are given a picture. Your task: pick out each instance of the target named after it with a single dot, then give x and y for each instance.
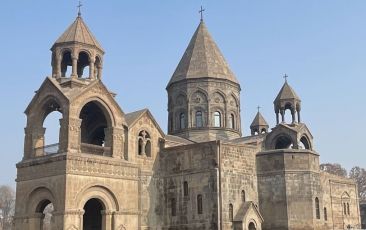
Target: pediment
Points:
(143, 116)
(48, 89)
(248, 210)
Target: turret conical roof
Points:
(286, 93)
(78, 32)
(202, 58)
(259, 121)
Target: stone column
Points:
(74, 73)
(282, 115)
(100, 71)
(73, 135)
(28, 148)
(58, 66)
(298, 116)
(116, 142)
(91, 68)
(107, 220)
(277, 118)
(38, 141)
(293, 116)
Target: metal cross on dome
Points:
(201, 12)
(285, 77)
(258, 107)
(79, 10)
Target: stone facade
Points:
(117, 171)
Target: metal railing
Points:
(47, 150)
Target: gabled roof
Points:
(244, 210)
(202, 59)
(78, 32)
(286, 93)
(259, 121)
(131, 119)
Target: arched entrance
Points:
(251, 226)
(45, 210)
(92, 219)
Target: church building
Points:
(113, 170)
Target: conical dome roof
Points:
(202, 58)
(259, 121)
(78, 32)
(286, 93)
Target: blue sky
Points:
(320, 45)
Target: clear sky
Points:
(320, 45)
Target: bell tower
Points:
(82, 175)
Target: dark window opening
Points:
(174, 207)
(304, 143)
(199, 204)
(93, 124)
(231, 214)
(92, 218)
(185, 188)
(66, 64)
(317, 208)
(325, 214)
(83, 64)
(283, 142)
(243, 196)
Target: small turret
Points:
(78, 48)
(259, 125)
(287, 99)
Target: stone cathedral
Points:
(113, 170)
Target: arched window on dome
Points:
(199, 119)
(217, 119)
(232, 121)
(182, 121)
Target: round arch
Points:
(304, 140)
(282, 141)
(107, 111)
(221, 94)
(99, 192)
(39, 198)
(198, 91)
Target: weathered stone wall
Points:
(197, 165)
(237, 175)
(338, 191)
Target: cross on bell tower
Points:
(201, 12)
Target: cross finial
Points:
(285, 77)
(258, 107)
(79, 10)
(201, 12)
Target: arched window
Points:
(283, 142)
(46, 208)
(325, 214)
(148, 148)
(83, 64)
(141, 147)
(344, 209)
(182, 119)
(217, 119)
(231, 212)
(317, 208)
(199, 204)
(199, 120)
(348, 212)
(185, 188)
(66, 64)
(242, 195)
(304, 143)
(232, 121)
(144, 144)
(174, 207)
